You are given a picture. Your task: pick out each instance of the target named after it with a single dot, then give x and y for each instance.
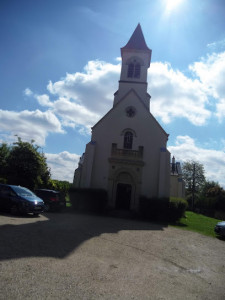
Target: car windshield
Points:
(22, 191)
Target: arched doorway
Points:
(124, 187)
(123, 196)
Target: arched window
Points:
(137, 70)
(130, 72)
(134, 69)
(128, 140)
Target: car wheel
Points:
(47, 207)
(14, 209)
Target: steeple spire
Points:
(136, 58)
(137, 40)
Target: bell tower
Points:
(136, 58)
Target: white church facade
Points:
(127, 154)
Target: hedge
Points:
(162, 209)
(88, 200)
(177, 208)
(153, 208)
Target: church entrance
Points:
(123, 196)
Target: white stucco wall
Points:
(148, 134)
(177, 188)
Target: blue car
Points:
(19, 200)
(220, 229)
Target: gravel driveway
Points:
(75, 256)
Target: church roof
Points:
(137, 40)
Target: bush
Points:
(220, 204)
(162, 209)
(3, 180)
(177, 208)
(154, 209)
(209, 205)
(88, 200)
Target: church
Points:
(127, 154)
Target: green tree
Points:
(27, 166)
(62, 186)
(4, 155)
(193, 175)
(207, 186)
(213, 196)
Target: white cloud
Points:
(217, 46)
(28, 92)
(73, 114)
(220, 106)
(211, 72)
(62, 165)
(29, 124)
(176, 96)
(44, 100)
(212, 160)
(84, 97)
(93, 89)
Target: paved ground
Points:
(73, 256)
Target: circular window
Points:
(130, 111)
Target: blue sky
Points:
(60, 66)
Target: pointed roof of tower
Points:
(137, 40)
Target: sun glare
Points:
(172, 5)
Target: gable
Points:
(131, 99)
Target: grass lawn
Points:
(197, 222)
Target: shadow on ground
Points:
(58, 234)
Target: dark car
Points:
(18, 199)
(54, 200)
(220, 229)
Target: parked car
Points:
(18, 199)
(220, 228)
(54, 200)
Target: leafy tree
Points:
(215, 195)
(27, 166)
(207, 186)
(23, 164)
(62, 186)
(193, 174)
(4, 154)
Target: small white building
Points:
(127, 154)
(177, 186)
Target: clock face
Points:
(130, 111)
